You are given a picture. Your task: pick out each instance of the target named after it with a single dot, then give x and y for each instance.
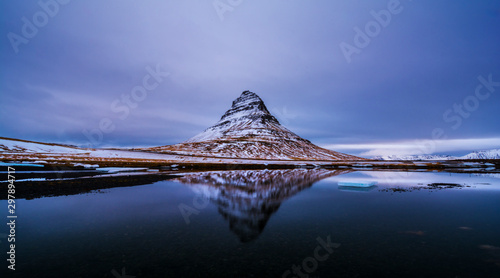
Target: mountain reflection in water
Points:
(248, 198)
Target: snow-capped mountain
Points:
(487, 154)
(248, 130)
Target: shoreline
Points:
(64, 162)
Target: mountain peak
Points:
(248, 98)
(248, 93)
(248, 106)
(248, 116)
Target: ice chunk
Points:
(357, 183)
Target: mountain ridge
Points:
(483, 154)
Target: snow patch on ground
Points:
(120, 169)
(14, 146)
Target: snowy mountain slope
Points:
(248, 116)
(487, 154)
(8, 145)
(248, 130)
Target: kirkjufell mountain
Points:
(248, 130)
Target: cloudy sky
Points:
(359, 76)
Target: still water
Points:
(280, 223)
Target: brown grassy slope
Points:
(256, 149)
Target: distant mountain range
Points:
(248, 130)
(487, 154)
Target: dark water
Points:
(265, 223)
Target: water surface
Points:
(263, 223)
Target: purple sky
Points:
(362, 77)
